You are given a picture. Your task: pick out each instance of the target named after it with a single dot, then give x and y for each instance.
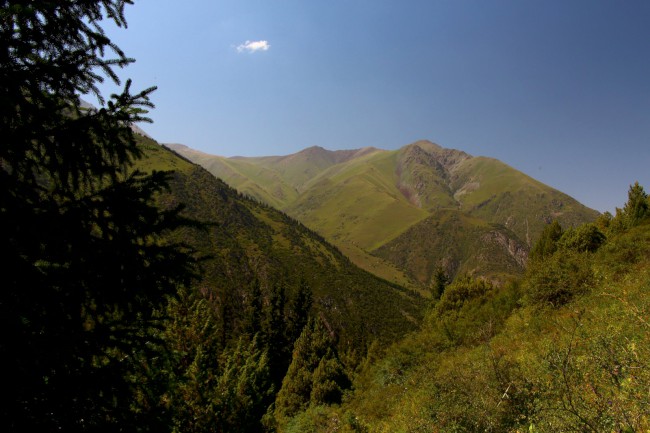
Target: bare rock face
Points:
(515, 249)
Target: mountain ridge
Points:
(364, 199)
(247, 243)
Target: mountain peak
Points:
(329, 157)
(425, 144)
(429, 153)
(314, 149)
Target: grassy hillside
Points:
(456, 243)
(260, 183)
(491, 190)
(567, 348)
(300, 169)
(250, 242)
(370, 201)
(358, 202)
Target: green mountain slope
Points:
(251, 242)
(491, 190)
(253, 180)
(357, 202)
(507, 359)
(300, 169)
(370, 201)
(456, 243)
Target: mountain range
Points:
(405, 214)
(247, 247)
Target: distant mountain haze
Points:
(406, 212)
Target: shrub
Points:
(556, 280)
(586, 238)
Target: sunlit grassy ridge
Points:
(368, 201)
(358, 202)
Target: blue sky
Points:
(557, 89)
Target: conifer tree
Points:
(299, 309)
(315, 376)
(636, 208)
(439, 283)
(274, 333)
(547, 243)
(253, 314)
(85, 260)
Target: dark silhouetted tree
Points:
(85, 260)
(298, 313)
(274, 335)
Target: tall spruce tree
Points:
(85, 263)
(274, 333)
(637, 207)
(299, 309)
(315, 375)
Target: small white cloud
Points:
(253, 46)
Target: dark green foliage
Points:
(604, 221)
(626, 249)
(586, 238)
(315, 376)
(635, 211)
(212, 388)
(85, 259)
(439, 283)
(558, 279)
(254, 310)
(636, 208)
(328, 382)
(547, 243)
(559, 268)
(192, 334)
(274, 334)
(471, 310)
(462, 290)
(244, 389)
(299, 310)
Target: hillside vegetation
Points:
(141, 293)
(376, 204)
(270, 298)
(566, 348)
(247, 242)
